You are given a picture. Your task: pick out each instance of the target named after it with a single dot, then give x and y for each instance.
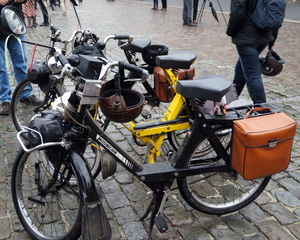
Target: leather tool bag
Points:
(163, 90)
(262, 144)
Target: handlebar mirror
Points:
(74, 2)
(12, 21)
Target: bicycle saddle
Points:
(212, 87)
(179, 59)
(137, 45)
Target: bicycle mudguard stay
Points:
(93, 214)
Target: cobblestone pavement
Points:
(275, 214)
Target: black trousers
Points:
(44, 11)
(164, 3)
(195, 9)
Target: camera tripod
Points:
(213, 11)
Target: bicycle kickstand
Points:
(156, 207)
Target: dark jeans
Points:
(247, 72)
(195, 9)
(44, 11)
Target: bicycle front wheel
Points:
(48, 207)
(218, 193)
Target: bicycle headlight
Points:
(54, 66)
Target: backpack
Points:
(268, 14)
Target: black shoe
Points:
(155, 8)
(32, 101)
(4, 108)
(44, 24)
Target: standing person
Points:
(45, 13)
(155, 5)
(187, 13)
(164, 5)
(30, 13)
(250, 42)
(195, 10)
(18, 58)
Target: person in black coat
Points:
(250, 42)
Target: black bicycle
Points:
(52, 186)
(53, 189)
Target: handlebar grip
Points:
(62, 58)
(119, 37)
(135, 68)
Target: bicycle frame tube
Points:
(157, 172)
(154, 131)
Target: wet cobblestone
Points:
(273, 215)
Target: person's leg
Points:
(64, 7)
(45, 13)
(195, 10)
(52, 4)
(250, 66)
(19, 63)
(184, 13)
(239, 80)
(155, 5)
(164, 4)
(189, 7)
(4, 80)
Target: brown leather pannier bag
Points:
(163, 90)
(262, 144)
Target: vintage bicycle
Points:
(46, 164)
(52, 186)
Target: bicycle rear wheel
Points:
(22, 113)
(218, 193)
(53, 213)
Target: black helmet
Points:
(272, 64)
(121, 106)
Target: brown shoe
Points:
(4, 108)
(32, 101)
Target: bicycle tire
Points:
(176, 137)
(22, 113)
(218, 193)
(53, 214)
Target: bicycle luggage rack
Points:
(20, 135)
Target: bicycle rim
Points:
(52, 214)
(22, 113)
(218, 192)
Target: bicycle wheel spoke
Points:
(218, 192)
(46, 211)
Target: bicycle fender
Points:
(85, 179)
(95, 223)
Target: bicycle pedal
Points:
(166, 148)
(160, 223)
(146, 114)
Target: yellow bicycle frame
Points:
(153, 137)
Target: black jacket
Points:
(18, 6)
(240, 27)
